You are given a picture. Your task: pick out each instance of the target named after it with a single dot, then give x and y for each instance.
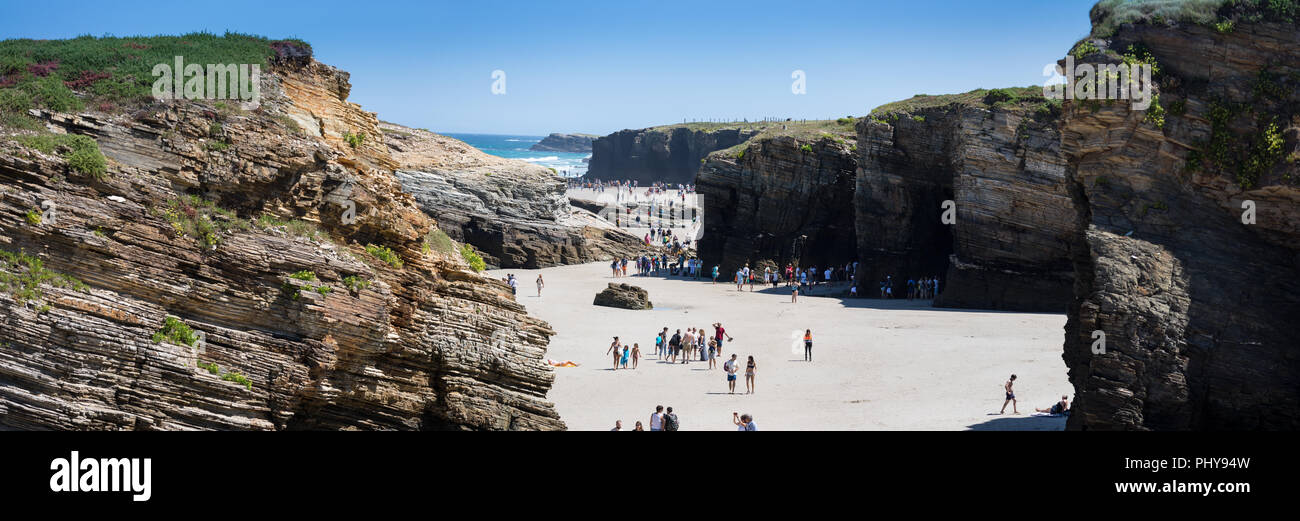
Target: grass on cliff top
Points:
(1007, 98)
(1108, 15)
(840, 130)
(792, 128)
(110, 70)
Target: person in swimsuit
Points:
(613, 348)
(750, 367)
(1011, 397)
(1060, 407)
(540, 285)
(636, 354)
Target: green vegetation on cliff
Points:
(110, 71)
(1015, 99)
(1221, 15)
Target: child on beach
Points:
(636, 354)
(626, 352)
(1011, 397)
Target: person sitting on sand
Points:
(1060, 407)
(1011, 397)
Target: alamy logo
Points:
(218, 81)
(102, 475)
(1108, 81)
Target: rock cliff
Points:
(1195, 299)
(776, 198)
(514, 212)
(283, 311)
(669, 154)
(576, 143)
(996, 156)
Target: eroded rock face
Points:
(429, 345)
(668, 154)
(773, 200)
(1197, 308)
(624, 296)
(1008, 247)
(576, 143)
(514, 212)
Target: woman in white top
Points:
(540, 285)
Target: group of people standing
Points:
(662, 420)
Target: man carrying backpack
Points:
(670, 420)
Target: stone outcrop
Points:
(428, 344)
(999, 161)
(777, 198)
(576, 143)
(624, 296)
(514, 212)
(1196, 305)
(670, 154)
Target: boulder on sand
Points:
(624, 296)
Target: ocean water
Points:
(567, 164)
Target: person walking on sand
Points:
(614, 348)
(675, 345)
(657, 419)
(713, 353)
(1011, 397)
(718, 333)
(627, 353)
(744, 422)
(794, 294)
(636, 354)
(807, 345)
(750, 368)
(540, 284)
(730, 367)
(659, 344)
(715, 273)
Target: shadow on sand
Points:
(1022, 422)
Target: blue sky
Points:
(603, 66)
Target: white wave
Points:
(540, 159)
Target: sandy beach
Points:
(877, 364)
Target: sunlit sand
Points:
(878, 365)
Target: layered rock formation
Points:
(296, 328)
(514, 212)
(995, 155)
(1196, 302)
(775, 199)
(670, 154)
(624, 296)
(576, 143)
